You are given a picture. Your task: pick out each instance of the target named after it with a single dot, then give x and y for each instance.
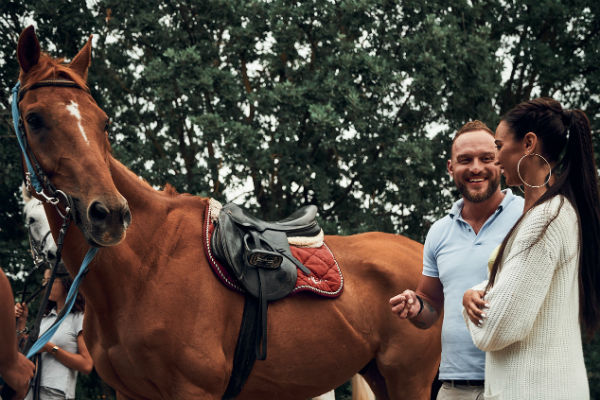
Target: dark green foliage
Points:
(591, 351)
(350, 105)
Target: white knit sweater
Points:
(531, 332)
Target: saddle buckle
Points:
(258, 256)
(264, 259)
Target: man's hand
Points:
(475, 305)
(18, 375)
(406, 304)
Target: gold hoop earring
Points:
(523, 180)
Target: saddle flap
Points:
(243, 252)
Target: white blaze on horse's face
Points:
(39, 229)
(73, 109)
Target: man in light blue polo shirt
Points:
(455, 258)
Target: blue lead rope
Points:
(21, 138)
(69, 302)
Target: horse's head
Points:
(42, 242)
(66, 133)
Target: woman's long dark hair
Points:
(566, 139)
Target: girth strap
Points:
(245, 354)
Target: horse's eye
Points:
(34, 121)
(31, 221)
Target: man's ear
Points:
(449, 167)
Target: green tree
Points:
(349, 105)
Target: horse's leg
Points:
(376, 382)
(407, 366)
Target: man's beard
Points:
(478, 197)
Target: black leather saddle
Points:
(257, 252)
(258, 255)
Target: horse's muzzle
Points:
(108, 222)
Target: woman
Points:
(543, 282)
(65, 354)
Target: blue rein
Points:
(69, 302)
(35, 182)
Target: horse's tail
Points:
(361, 389)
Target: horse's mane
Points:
(169, 190)
(51, 68)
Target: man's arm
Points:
(422, 307)
(15, 369)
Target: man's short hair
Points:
(471, 126)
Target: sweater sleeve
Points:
(523, 281)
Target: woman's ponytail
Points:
(582, 177)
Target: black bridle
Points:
(37, 248)
(39, 259)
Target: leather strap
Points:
(245, 350)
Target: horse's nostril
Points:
(126, 215)
(98, 211)
(51, 256)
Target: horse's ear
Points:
(28, 49)
(25, 193)
(81, 62)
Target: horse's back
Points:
(378, 254)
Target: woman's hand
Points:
(21, 311)
(475, 305)
(47, 348)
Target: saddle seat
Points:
(301, 222)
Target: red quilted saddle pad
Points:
(326, 278)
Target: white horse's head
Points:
(38, 227)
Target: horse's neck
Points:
(121, 267)
(147, 206)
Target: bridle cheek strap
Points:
(16, 115)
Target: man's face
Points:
(473, 166)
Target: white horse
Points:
(41, 239)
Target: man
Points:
(455, 258)
(15, 369)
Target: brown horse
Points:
(158, 323)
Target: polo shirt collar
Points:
(458, 205)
